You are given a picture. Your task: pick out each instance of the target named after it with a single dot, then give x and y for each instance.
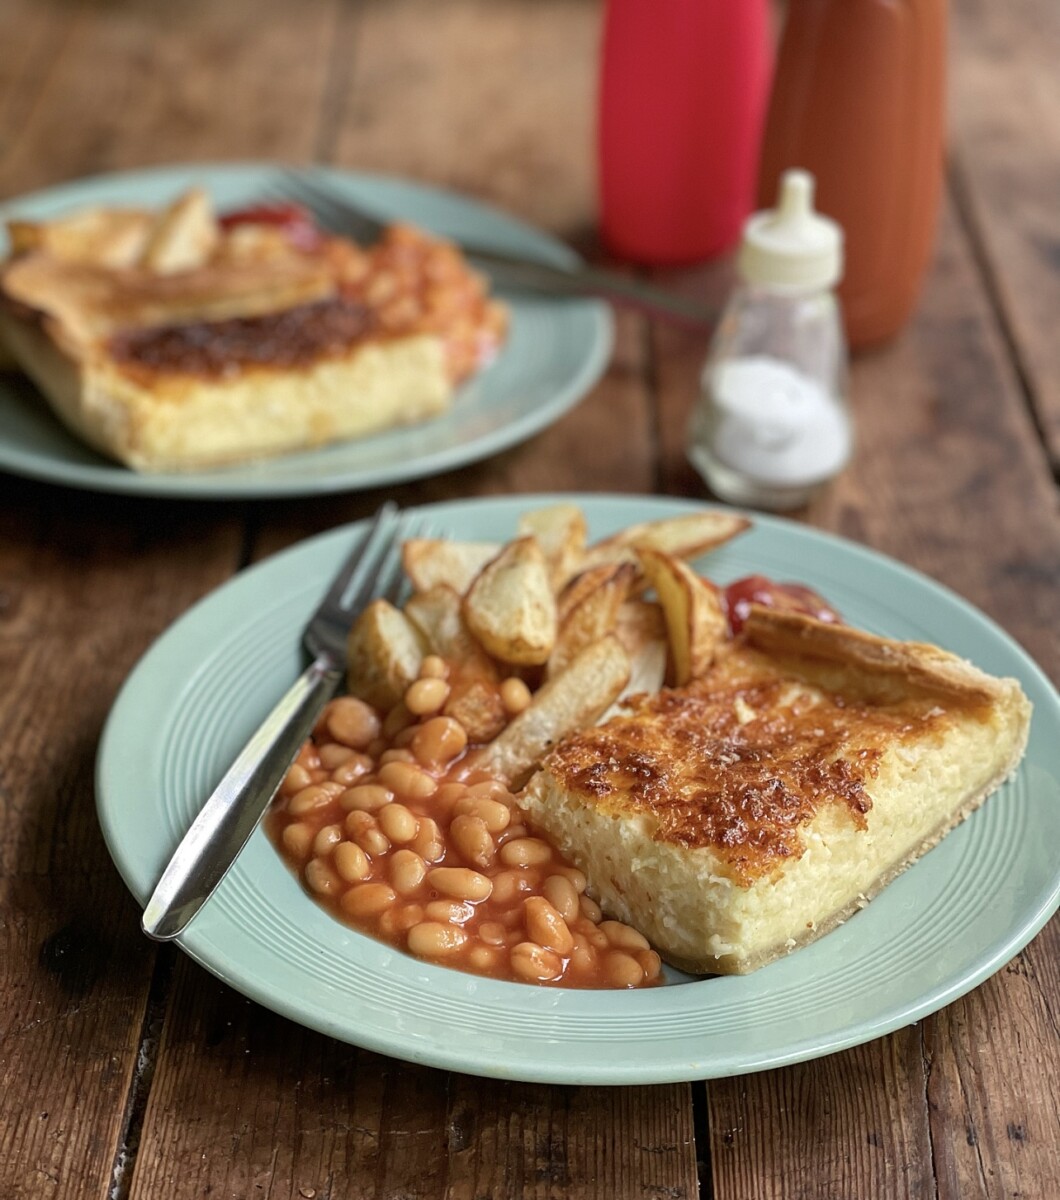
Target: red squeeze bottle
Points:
(683, 92)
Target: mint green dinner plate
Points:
(556, 350)
(939, 930)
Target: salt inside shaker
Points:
(772, 423)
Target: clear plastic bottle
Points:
(772, 423)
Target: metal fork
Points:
(237, 804)
(338, 214)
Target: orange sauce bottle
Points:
(858, 99)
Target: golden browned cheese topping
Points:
(295, 337)
(740, 761)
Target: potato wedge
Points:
(641, 628)
(561, 532)
(384, 653)
(510, 608)
(573, 700)
(682, 537)
(183, 236)
(593, 616)
(432, 561)
(695, 619)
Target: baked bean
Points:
(457, 912)
(492, 932)
(439, 741)
(472, 839)
(399, 920)
(559, 892)
(403, 740)
(334, 754)
(407, 871)
(494, 814)
(295, 780)
(574, 875)
(432, 939)
(434, 667)
(546, 927)
(426, 696)
(351, 862)
(407, 781)
(525, 852)
(509, 885)
(519, 830)
(484, 958)
(590, 909)
(398, 823)
(307, 757)
(327, 839)
(515, 695)
(363, 828)
(623, 970)
(396, 755)
(624, 937)
(352, 722)
(650, 962)
(583, 958)
(298, 838)
(428, 842)
(321, 878)
(534, 962)
(460, 882)
(365, 797)
(309, 798)
(490, 789)
(368, 899)
(397, 719)
(352, 769)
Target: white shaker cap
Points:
(792, 245)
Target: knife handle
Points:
(237, 804)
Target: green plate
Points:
(556, 351)
(944, 926)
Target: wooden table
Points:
(129, 1072)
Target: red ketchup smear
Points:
(294, 221)
(791, 597)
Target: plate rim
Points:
(113, 479)
(926, 1002)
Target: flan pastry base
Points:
(753, 811)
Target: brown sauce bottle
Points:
(858, 99)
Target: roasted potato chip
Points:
(592, 616)
(682, 537)
(384, 654)
(437, 614)
(510, 608)
(573, 700)
(695, 618)
(641, 628)
(432, 561)
(561, 533)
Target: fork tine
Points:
(333, 212)
(358, 568)
(394, 585)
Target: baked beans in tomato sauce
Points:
(391, 827)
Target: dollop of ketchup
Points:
(791, 597)
(293, 220)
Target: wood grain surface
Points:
(127, 1073)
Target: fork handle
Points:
(592, 281)
(237, 804)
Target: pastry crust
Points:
(755, 810)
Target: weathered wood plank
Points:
(84, 586)
(490, 97)
(1005, 135)
(950, 477)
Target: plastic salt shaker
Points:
(772, 423)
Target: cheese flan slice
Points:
(755, 809)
